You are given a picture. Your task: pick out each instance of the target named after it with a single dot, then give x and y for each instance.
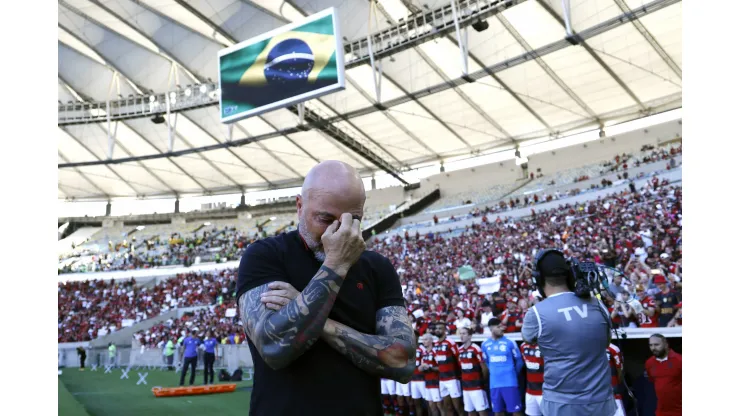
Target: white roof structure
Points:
(529, 83)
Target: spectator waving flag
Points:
(466, 272)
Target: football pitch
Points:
(94, 393)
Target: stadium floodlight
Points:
(188, 92)
(173, 95)
(203, 89)
(152, 99)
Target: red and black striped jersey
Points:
(470, 359)
(535, 368)
(445, 353)
(418, 375)
(509, 319)
(615, 363)
(431, 377)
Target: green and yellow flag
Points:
(278, 68)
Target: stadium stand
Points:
(88, 309)
(226, 329)
(478, 196)
(536, 196)
(504, 249)
(650, 231)
(217, 240)
(159, 245)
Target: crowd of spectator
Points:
(227, 243)
(88, 309)
(637, 233)
(225, 328)
(634, 231)
(648, 154)
(217, 245)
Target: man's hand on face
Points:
(343, 244)
(279, 295)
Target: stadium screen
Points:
(285, 66)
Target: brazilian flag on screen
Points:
(286, 65)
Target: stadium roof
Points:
(528, 82)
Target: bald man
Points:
(325, 319)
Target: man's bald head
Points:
(330, 189)
(333, 176)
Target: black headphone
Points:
(539, 279)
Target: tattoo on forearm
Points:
(389, 354)
(283, 336)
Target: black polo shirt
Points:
(321, 381)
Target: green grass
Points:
(106, 394)
(68, 406)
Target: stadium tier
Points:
(635, 232)
(224, 239)
(89, 309)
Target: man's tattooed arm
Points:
(282, 336)
(389, 354)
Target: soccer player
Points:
(504, 365)
(431, 376)
(190, 353)
(387, 391)
(616, 365)
(418, 388)
(445, 353)
(210, 357)
(664, 371)
(474, 375)
(403, 398)
(535, 377)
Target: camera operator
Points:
(572, 331)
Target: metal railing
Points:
(188, 98)
(421, 27)
(229, 357)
